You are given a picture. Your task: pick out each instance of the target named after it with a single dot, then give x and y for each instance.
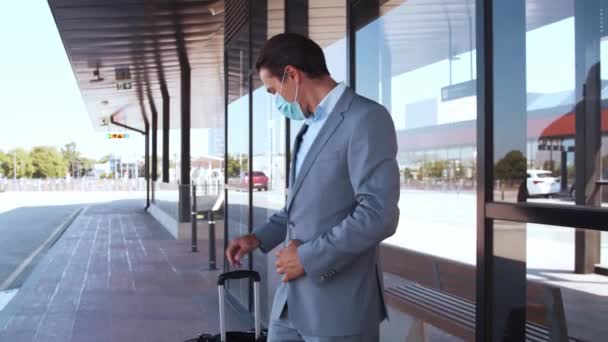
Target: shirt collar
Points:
(327, 105)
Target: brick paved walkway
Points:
(115, 275)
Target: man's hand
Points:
(240, 247)
(288, 262)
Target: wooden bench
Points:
(441, 292)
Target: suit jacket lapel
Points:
(333, 121)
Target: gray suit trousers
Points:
(282, 330)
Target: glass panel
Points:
(418, 60)
(238, 224)
(542, 85)
(237, 165)
(555, 296)
(534, 118)
(269, 132)
(327, 27)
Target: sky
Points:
(41, 102)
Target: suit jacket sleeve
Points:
(374, 175)
(273, 232)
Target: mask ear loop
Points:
(282, 81)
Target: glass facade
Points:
(437, 182)
(269, 139)
(410, 65)
(238, 203)
(500, 127)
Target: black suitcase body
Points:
(232, 336)
(256, 335)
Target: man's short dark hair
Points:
(295, 50)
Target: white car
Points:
(542, 183)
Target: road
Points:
(23, 230)
(28, 219)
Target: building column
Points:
(184, 185)
(166, 126)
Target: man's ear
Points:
(292, 73)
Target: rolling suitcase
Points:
(257, 335)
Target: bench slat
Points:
(452, 311)
(444, 311)
(463, 314)
(452, 327)
(448, 289)
(456, 301)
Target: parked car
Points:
(542, 183)
(260, 180)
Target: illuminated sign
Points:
(123, 78)
(123, 85)
(118, 135)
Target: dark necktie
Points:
(296, 149)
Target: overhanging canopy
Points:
(141, 46)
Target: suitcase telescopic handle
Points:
(240, 274)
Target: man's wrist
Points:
(258, 243)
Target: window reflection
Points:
(556, 298)
(418, 60)
(237, 164)
(268, 177)
(427, 82)
(546, 132)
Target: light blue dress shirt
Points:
(316, 121)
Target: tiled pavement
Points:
(115, 275)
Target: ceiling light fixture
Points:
(97, 75)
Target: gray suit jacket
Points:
(342, 204)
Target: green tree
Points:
(24, 164)
(85, 165)
(4, 159)
(513, 167)
(235, 166)
(77, 164)
(71, 156)
(434, 169)
(48, 162)
(459, 170)
(407, 173)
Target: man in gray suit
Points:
(342, 202)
